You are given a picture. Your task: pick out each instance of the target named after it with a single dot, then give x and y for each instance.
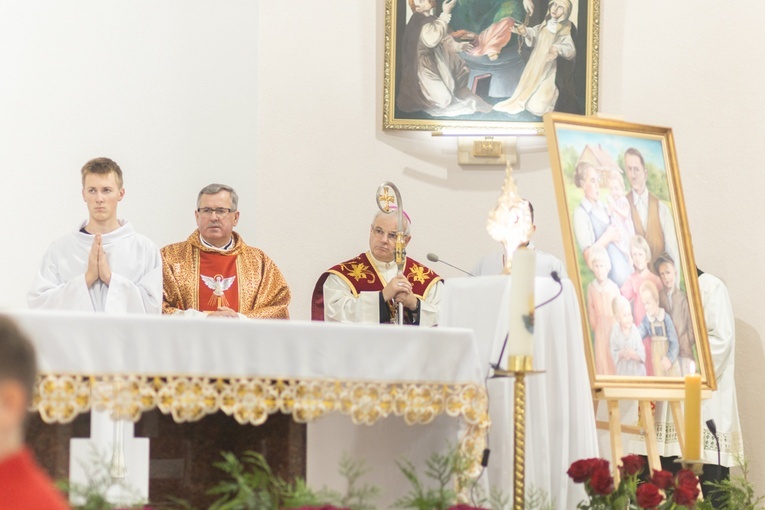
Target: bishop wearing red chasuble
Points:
(368, 288)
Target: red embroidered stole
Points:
(361, 275)
(218, 281)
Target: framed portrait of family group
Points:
(488, 64)
(628, 251)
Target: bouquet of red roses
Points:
(663, 491)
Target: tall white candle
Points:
(520, 341)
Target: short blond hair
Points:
(638, 241)
(650, 288)
(616, 175)
(619, 303)
(102, 166)
(595, 253)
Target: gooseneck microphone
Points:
(434, 258)
(713, 429)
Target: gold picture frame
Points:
(629, 252)
(492, 71)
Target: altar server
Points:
(723, 406)
(214, 272)
(105, 266)
(368, 288)
(23, 485)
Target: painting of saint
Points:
(487, 61)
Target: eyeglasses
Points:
(380, 234)
(219, 211)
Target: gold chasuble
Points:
(361, 275)
(243, 278)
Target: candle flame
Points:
(692, 367)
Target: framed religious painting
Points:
(628, 251)
(488, 65)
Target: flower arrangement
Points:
(662, 491)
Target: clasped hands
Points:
(98, 265)
(400, 291)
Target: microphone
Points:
(434, 258)
(713, 429)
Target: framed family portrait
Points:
(628, 251)
(488, 64)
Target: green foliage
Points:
(568, 159)
(358, 496)
(91, 495)
(736, 493)
(440, 468)
(251, 485)
(536, 499)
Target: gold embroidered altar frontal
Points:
(59, 398)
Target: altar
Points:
(124, 366)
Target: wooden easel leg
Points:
(615, 431)
(649, 430)
(677, 416)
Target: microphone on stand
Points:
(434, 258)
(713, 429)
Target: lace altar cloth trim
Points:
(60, 398)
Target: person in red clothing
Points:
(23, 485)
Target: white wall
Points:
(167, 89)
(282, 100)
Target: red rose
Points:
(581, 470)
(632, 465)
(662, 479)
(686, 496)
(686, 478)
(648, 495)
(602, 482)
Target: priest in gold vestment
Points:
(214, 272)
(368, 288)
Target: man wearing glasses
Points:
(368, 288)
(214, 272)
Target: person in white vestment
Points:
(723, 406)
(105, 266)
(368, 288)
(536, 91)
(546, 263)
(434, 78)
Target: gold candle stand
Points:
(695, 466)
(519, 367)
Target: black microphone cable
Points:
(554, 275)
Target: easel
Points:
(644, 397)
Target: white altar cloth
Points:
(80, 343)
(560, 423)
(387, 357)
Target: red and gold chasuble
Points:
(361, 275)
(218, 282)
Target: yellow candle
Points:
(692, 417)
(520, 341)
